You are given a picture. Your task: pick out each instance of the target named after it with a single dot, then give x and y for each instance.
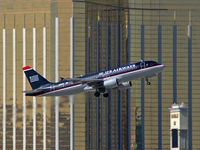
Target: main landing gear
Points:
(101, 91)
(148, 82)
(105, 94)
(97, 94)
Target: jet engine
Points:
(110, 83)
(125, 85)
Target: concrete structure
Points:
(178, 127)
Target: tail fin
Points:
(34, 78)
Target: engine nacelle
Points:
(110, 83)
(125, 85)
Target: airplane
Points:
(99, 82)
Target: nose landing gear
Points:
(148, 82)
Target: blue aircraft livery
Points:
(99, 82)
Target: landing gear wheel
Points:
(96, 94)
(105, 94)
(147, 80)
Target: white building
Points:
(178, 127)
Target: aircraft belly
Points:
(137, 74)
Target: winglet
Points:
(26, 68)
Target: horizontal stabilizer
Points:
(32, 91)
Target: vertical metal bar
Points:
(88, 122)
(14, 89)
(24, 88)
(174, 64)
(128, 119)
(107, 114)
(142, 89)
(120, 92)
(88, 49)
(116, 120)
(102, 43)
(71, 122)
(71, 76)
(101, 68)
(116, 91)
(34, 48)
(110, 119)
(120, 120)
(102, 133)
(97, 70)
(92, 99)
(4, 89)
(92, 69)
(160, 88)
(97, 45)
(87, 97)
(57, 49)
(111, 44)
(142, 41)
(56, 80)
(110, 93)
(44, 98)
(107, 51)
(73, 48)
(128, 94)
(92, 44)
(34, 98)
(190, 87)
(116, 45)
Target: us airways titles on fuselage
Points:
(132, 67)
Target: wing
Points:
(90, 82)
(33, 92)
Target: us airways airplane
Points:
(100, 82)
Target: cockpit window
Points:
(152, 63)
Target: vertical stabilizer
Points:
(34, 78)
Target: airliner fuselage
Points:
(100, 82)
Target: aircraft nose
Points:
(162, 67)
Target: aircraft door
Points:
(142, 65)
(52, 88)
